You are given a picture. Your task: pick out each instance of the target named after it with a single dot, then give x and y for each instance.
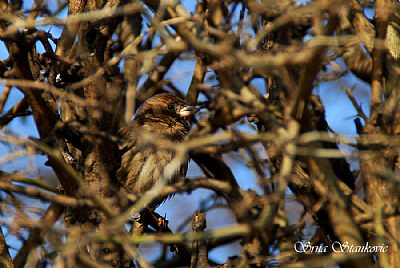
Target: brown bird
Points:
(163, 117)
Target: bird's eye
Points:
(171, 107)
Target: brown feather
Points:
(142, 166)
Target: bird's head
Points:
(165, 115)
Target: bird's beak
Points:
(187, 111)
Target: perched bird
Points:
(163, 117)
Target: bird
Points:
(164, 117)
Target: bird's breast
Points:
(144, 168)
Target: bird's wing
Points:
(126, 134)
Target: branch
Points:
(68, 171)
(378, 54)
(221, 187)
(160, 225)
(19, 109)
(40, 194)
(5, 258)
(236, 230)
(199, 248)
(4, 97)
(197, 79)
(309, 73)
(36, 236)
(361, 25)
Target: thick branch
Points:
(199, 248)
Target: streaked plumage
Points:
(164, 116)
